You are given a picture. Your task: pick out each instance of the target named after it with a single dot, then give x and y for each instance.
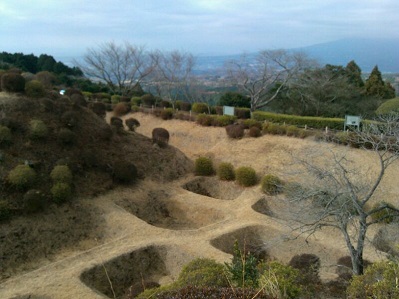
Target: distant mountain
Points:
(366, 52)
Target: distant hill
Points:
(366, 52)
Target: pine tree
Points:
(354, 74)
(375, 86)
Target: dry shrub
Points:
(185, 106)
(70, 119)
(5, 135)
(160, 136)
(235, 131)
(204, 120)
(255, 132)
(116, 122)
(79, 100)
(121, 108)
(66, 137)
(34, 201)
(61, 192)
(148, 100)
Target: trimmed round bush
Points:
(5, 135)
(61, 192)
(121, 108)
(66, 136)
(148, 100)
(115, 99)
(34, 201)
(34, 89)
(203, 166)
(132, 123)
(205, 120)
(12, 82)
(37, 129)
(199, 108)
(271, 184)
(135, 101)
(203, 272)
(225, 171)
(235, 131)
(22, 177)
(246, 176)
(167, 113)
(160, 136)
(61, 174)
(124, 172)
(116, 122)
(308, 265)
(255, 132)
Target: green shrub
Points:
(34, 201)
(254, 132)
(34, 89)
(37, 129)
(12, 82)
(5, 212)
(299, 121)
(5, 135)
(225, 171)
(66, 136)
(61, 174)
(249, 123)
(121, 108)
(61, 192)
(390, 106)
(22, 177)
(115, 99)
(274, 129)
(280, 281)
(235, 131)
(246, 176)
(204, 166)
(204, 120)
(124, 172)
(135, 101)
(88, 95)
(223, 120)
(243, 268)
(386, 215)
(148, 100)
(379, 280)
(199, 108)
(271, 184)
(203, 272)
(167, 113)
(292, 131)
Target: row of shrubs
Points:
(11, 81)
(244, 176)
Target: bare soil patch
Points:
(212, 187)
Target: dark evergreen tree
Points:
(375, 86)
(234, 99)
(354, 74)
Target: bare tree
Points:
(263, 77)
(173, 75)
(338, 193)
(121, 67)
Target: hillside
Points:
(158, 226)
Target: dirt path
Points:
(193, 225)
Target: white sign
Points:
(352, 120)
(227, 110)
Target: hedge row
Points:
(300, 121)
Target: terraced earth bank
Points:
(141, 236)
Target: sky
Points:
(203, 27)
